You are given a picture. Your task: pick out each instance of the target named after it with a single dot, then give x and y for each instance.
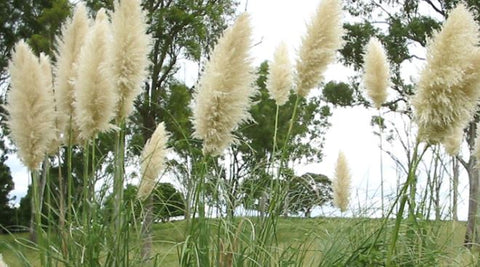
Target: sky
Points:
(275, 21)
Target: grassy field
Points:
(309, 242)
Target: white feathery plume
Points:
(30, 107)
(130, 53)
(319, 45)
(68, 47)
(376, 72)
(223, 95)
(449, 86)
(153, 161)
(46, 69)
(341, 183)
(95, 97)
(452, 142)
(280, 78)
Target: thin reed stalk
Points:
(380, 137)
(37, 216)
(61, 207)
(403, 198)
(118, 181)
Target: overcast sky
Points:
(284, 20)
(275, 21)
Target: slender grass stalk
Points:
(204, 231)
(37, 215)
(93, 251)
(380, 137)
(86, 259)
(287, 138)
(118, 181)
(49, 242)
(274, 149)
(70, 172)
(403, 198)
(61, 207)
(197, 242)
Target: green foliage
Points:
(6, 185)
(35, 21)
(420, 28)
(310, 123)
(167, 202)
(24, 211)
(178, 113)
(356, 38)
(50, 18)
(338, 93)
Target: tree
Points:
(24, 210)
(167, 202)
(6, 185)
(308, 191)
(251, 160)
(36, 21)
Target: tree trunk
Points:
(262, 205)
(308, 213)
(455, 189)
(147, 229)
(472, 207)
(473, 176)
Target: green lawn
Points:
(328, 241)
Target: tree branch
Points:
(438, 10)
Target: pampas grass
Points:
(223, 94)
(341, 183)
(95, 96)
(453, 142)
(46, 72)
(68, 47)
(376, 72)
(152, 161)
(449, 86)
(30, 106)
(322, 40)
(280, 78)
(130, 53)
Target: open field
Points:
(308, 242)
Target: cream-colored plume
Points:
(30, 106)
(280, 78)
(68, 47)
(449, 86)
(46, 69)
(453, 141)
(152, 161)
(222, 97)
(95, 96)
(323, 39)
(130, 54)
(2, 263)
(376, 75)
(341, 183)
